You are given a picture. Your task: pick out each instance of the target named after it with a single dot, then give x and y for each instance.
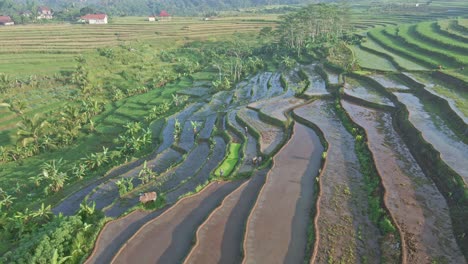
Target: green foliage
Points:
(229, 162)
(377, 213)
(63, 238)
(124, 185)
(314, 27)
(146, 174)
(386, 225)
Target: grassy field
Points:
(47, 49)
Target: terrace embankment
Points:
(168, 238)
(434, 130)
(219, 238)
(270, 136)
(413, 200)
(278, 222)
(343, 229)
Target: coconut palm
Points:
(43, 214)
(31, 129)
(52, 174)
(6, 200)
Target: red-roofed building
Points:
(94, 19)
(164, 16)
(43, 12)
(6, 21)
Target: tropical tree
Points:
(52, 174)
(87, 209)
(30, 130)
(146, 174)
(79, 171)
(43, 214)
(6, 200)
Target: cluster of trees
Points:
(315, 27)
(41, 237)
(57, 129)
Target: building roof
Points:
(164, 14)
(43, 8)
(94, 17)
(5, 19)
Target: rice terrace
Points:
(253, 131)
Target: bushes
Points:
(62, 238)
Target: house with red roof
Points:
(164, 16)
(6, 21)
(43, 12)
(94, 19)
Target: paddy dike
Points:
(277, 226)
(168, 238)
(412, 199)
(435, 131)
(343, 229)
(219, 239)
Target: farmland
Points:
(349, 153)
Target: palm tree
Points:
(87, 209)
(43, 214)
(146, 174)
(31, 129)
(51, 172)
(7, 200)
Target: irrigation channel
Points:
(310, 198)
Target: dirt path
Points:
(411, 197)
(277, 226)
(219, 239)
(343, 229)
(168, 238)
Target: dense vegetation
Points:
(109, 106)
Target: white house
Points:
(94, 19)
(151, 18)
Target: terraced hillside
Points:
(310, 164)
(343, 180)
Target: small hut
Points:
(147, 197)
(152, 18)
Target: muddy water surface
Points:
(434, 130)
(357, 89)
(344, 232)
(317, 86)
(413, 199)
(389, 82)
(277, 225)
(219, 239)
(168, 238)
